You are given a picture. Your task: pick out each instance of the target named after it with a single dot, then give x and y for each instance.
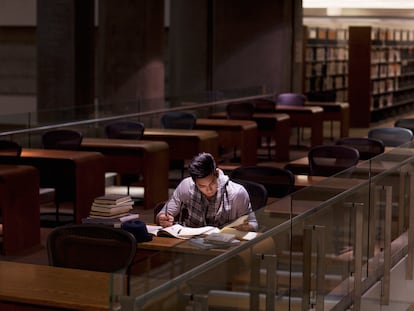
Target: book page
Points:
(181, 232)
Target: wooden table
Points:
(19, 205)
(40, 287)
(275, 125)
(241, 134)
(185, 144)
(334, 111)
(125, 156)
(77, 176)
(304, 116)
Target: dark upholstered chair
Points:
(178, 120)
(277, 181)
(407, 123)
(265, 105)
(63, 139)
(367, 147)
(257, 192)
(125, 129)
(328, 160)
(91, 247)
(292, 99)
(10, 150)
(240, 111)
(391, 136)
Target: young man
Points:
(207, 197)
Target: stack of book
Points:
(111, 209)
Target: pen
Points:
(178, 232)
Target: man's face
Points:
(207, 185)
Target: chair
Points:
(292, 99)
(367, 147)
(240, 111)
(91, 247)
(407, 123)
(11, 149)
(178, 120)
(327, 160)
(125, 129)
(264, 105)
(257, 192)
(391, 136)
(63, 139)
(277, 181)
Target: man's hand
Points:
(165, 220)
(244, 227)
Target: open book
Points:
(181, 232)
(240, 235)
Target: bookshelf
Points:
(381, 73)
(326, 64)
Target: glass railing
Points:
(320, 248)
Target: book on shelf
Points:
(112, 210)
(112, 199)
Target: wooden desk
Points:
(76, 175)
(241, 134)
(335, 111)
(37, 287)
(185, 144)
(125, 156)
(275, 125)
(19, 205)
(304, 116)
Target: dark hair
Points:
(202, 165)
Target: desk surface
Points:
(46, 286)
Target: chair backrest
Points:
(391, 136)
(10, 148)
(367, 147)
(278, 182)
(125, 129)
(178, 120)
(240, 111)
(407, 123)
(328, 160)
(291, 99)
(91, 247)
(65, 139)
(264, 105)
(257, 192)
